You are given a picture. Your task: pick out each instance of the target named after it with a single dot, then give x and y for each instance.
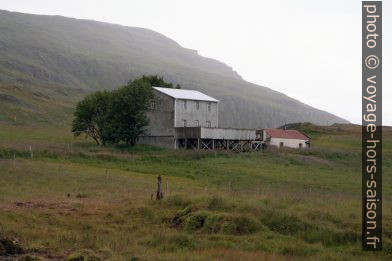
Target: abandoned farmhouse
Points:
(181, 118)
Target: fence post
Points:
(31, 153)
(167, 186)
(159, 191)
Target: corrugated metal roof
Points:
(185, 94)
(287, 134)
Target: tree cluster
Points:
(117, 116)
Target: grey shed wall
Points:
(162, 117)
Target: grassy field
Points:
(73, 198)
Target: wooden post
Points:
(31, 153)
(167, 186)
(159, 191)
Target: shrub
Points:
(244, 225)
(180, 216)
(195, 221)
(213, 223)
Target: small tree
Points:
(91, 117)
(154, 80)
(117, 116)
(128, 111)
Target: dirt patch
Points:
(32, 204)
(43, 205)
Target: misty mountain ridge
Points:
(65, 58)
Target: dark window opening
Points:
(152, 105)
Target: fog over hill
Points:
(66, 57)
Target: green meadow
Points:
(71, 199)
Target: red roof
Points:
(287, 134)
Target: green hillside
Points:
(63, 58)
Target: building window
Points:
(184, 104)
(184, 123)
(300, 145)
(208, 124)
(197, 123)
(209, 106)
(197, 104)
(281, 145)
(152, 105)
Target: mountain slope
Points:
(73, 57)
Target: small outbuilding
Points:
(284, 138)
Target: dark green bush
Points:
(180, 217)
(213, 223)
(195, 221)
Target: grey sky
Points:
(309, 50)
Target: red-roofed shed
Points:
(284, 138)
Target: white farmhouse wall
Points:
(191, 114)
(291, 143)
